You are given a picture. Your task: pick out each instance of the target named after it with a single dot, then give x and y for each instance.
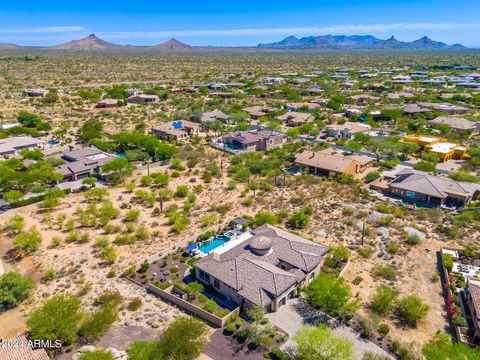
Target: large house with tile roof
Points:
(418, 186)
(265, 267)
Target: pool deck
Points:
(232, 243)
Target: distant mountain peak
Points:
(361, 42)
(173, 44)
(91, 42)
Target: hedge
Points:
(32, 200)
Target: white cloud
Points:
(45, 30)
(333, 29)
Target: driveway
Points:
(296, 312)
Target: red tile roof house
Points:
(264, 268)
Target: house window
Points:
(204, 276)
(216, 283)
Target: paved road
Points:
(296, 312)
(408, 164)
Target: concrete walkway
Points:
(296, 312)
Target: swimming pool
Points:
(53, 142)
(217, 241)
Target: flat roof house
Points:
(265, 268)
(143, 99)
(82, 163)
(455, 123)
(418, 186)
(327, 161)
(176, 130)
(443, 149)
(12, 145)
(293, 118)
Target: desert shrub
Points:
(385, 272)
(383, 300)
(411, 309)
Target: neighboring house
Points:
(19, 348)
(264, 267)
(273, 80)
(445, 107)
(143, 99)
(176, 130)
(400, 95)
(348, 129)
(468, 85)
(327, 161)
(472, 302)
(133, 92)
(12, 145)
(362, 98)
(215, 115)
(107, 103)
(35, 92)
(300, 105)
(418, 186)
(293, 118)
(438, 146)
(82, 163)
(413, 109)
(456, 124)
(257, 111)
(252, 140)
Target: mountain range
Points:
(327, 42)
(359, 42)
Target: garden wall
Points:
(190, 308)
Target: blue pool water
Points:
(213, 244)
(53, 142)
(121, 154)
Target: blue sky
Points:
(244, 22)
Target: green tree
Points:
(118, 169)
(14, 288)
(331, 295)
(320, 343)
(184, 339)
(442, 348)
(92, 129)
(411, 309)
(58, 318)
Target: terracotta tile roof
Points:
(258, 278)
(22, 350)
